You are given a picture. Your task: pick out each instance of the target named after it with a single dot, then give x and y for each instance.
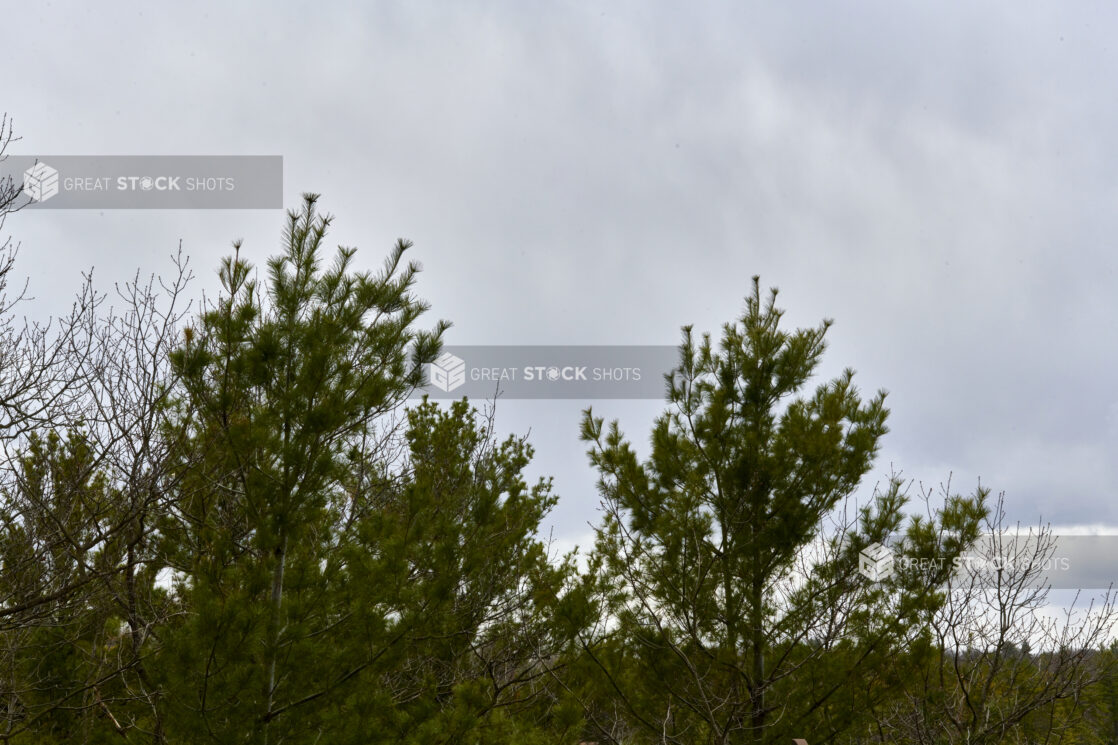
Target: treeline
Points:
(224, 525)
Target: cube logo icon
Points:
(875, 562)
(447, 372)
(41, 182)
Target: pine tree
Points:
(718, 625)
(282, 386)
(456, 592)
(344, 575)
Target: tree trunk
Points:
(274, 631)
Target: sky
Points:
(937, 178)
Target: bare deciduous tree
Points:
(80, 499)
(1003, 666)
(37, 361)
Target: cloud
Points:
(937, 179)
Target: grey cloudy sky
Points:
(938, 178)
